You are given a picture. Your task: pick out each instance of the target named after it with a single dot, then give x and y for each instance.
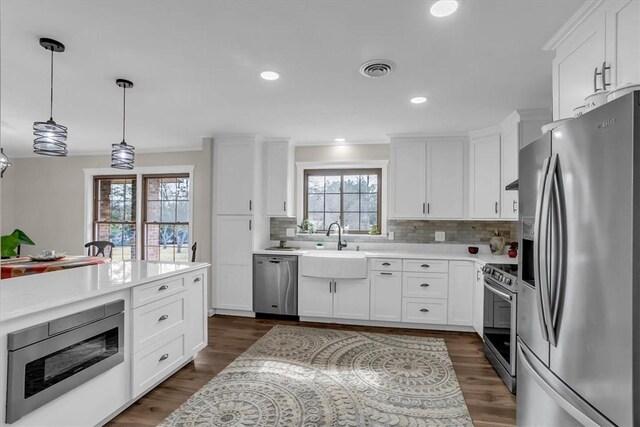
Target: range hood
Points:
(512, 186)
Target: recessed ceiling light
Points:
(340, 139)
(270, 75)
(418, 100)
(443, 8)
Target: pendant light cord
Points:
(124, 109)
(51, 104)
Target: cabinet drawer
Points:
(382, 264)
(158, 319)
(155, 362)
(425, 265)
(425, 285)
(422, 310)
(144, 294)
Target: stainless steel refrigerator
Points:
(579, 272)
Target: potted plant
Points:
(307, 227)
(10, 242)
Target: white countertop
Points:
(37, 292)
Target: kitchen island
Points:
(156, 316)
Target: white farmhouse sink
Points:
(334, 264)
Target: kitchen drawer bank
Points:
(165, 325)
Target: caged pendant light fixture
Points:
(122, 155)
(50, 137)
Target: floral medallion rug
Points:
(298, 376)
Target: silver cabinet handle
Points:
(386, 264)
(386, 274)
(424, 208)
(334, 286)
(424, 285)
(250, 225)
(595, 79)
(428, 207)
(330, 286)
(250, 206)
(163, 288)
(425, 266)
(496, 207)
(515, 206)
(424, 310)
(163, 317)
(604, 76)
(478, 274)
(163, 357)
(285, 206)
(197, 279)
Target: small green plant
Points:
(10, 242)
(307, 227)
(373, 230)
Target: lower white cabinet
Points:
(157, 361)
(337, 298)
(234, 254)
(197, 331)
(478, 300)
(423, 310)
(461, 281)
(386, 296)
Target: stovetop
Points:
(505, 275)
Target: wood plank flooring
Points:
(488, 400)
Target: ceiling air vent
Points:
(377, 68)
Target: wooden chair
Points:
(101, 247)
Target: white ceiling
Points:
(196, 63)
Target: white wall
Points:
(44, 197)
(342, 153)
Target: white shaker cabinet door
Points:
(386, 296)
(278, 178)
(444, 180)
(407, 190)
(234, 177)
(233, 279)
(315, 297)
(478, 300)
(623, 41)
(461, 284)
(351, 299)
(510, 148)
(484, 175)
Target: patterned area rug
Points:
(297, 376)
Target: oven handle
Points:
(496, 291)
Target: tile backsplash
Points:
(414, 231)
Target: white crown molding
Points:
(576, 19)
(428, 135)
(492, 130)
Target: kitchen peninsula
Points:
(90, 341)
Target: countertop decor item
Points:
(10, 243)
(4, 162)
(595, 100)
(513, 250)
(25, 266)
(307, 227)
(122, 155)
(496, 244)
(473, 250)
(50, 137)
(48, 256)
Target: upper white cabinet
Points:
(237, 168)
(278, 178)
(484, 174)
(426, 178)
(599, 33)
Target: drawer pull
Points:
(424, 310)
(425, 266)
(424, 285)
(163, 288)
(163, 357)
(386, 274)
(163, 317)
(386, 264)
(197, 279)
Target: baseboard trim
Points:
(211, 312)
(378, 323)
(239, 313)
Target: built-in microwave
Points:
(49, 359)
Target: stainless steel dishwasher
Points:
(275, 284)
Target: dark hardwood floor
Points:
(488, 400)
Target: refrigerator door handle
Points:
(537, 230)
(564, 396)
(559, 235)
(545, 234)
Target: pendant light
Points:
(4, 162)
(50, 137)
(122, 155)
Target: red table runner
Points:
(23, 266)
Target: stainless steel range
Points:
(500, 303)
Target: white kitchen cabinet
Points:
(197, 331)
(460, 301)
(278, 178)
(426, 178)
(235, 173)
(484, 174)
(599, 32)
(423, 310)
(386, 296)
(444, 180)
(315, 297)
(408, 180)
(478, 300)
(335, 298)
(234, 249)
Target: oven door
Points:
(45, 370)
(499, 330)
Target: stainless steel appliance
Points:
(579, 288)
(499, 320)
(49, 359)
(275, 284)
